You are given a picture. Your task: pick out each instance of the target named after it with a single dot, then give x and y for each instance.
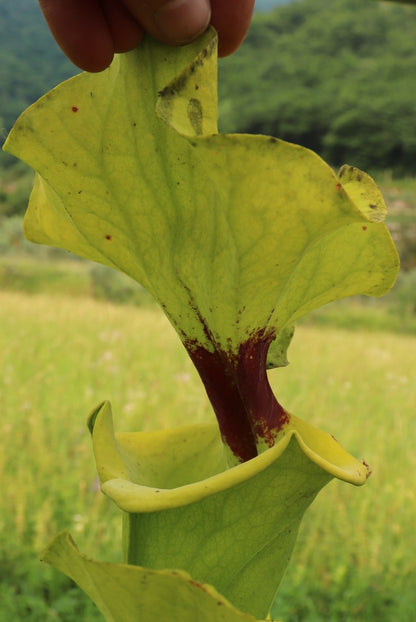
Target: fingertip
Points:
(127, 40)
(81, 31)
(126, 32)
(91, 60)
(174, 22)
(181, 21)
(231, 19)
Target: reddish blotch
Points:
(239, 391)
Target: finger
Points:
(81, 31)
(171, 21)
(126, 32)
(231, 19)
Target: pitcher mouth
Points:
(127, 463)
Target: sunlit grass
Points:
(59, 358)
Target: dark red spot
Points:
(367, 466)
(108, 237)
(338, 186)
(364, 228)
(199, 585)
(74, 109)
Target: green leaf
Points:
(364, 192)
(131, 594)
(233, 528)
(236, 236)
(277, 353)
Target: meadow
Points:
(60, 356)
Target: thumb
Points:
(171, 21)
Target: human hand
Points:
(90, 31)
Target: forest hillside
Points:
(30, 61)
(337, 76)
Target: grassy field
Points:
(355, 559)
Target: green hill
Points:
(338, 77)
(268, 5)
(30, 61)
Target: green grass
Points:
(52, 271)
(394, 313)
(60, 356)
(32, 276)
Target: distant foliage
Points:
(338, 77)
(405, 291)
(268, 5)
(109, 284)
(30, 61)
(15, 185)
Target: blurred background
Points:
(338, 77)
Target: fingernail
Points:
(181, 21)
